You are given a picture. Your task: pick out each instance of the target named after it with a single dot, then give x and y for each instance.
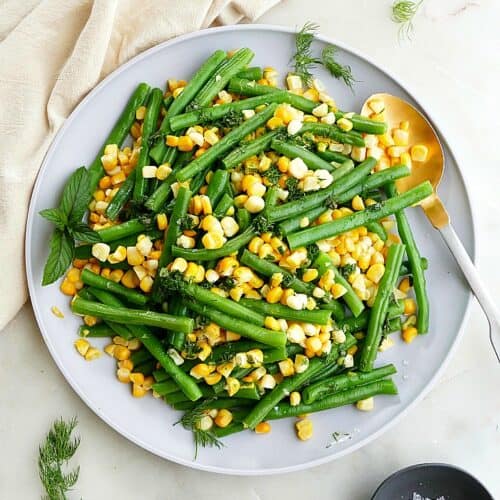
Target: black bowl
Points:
(431, 481)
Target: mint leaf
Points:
(60, 256)
(76, 196)
(81, 232)
(56, 216)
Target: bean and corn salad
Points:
(241, 254)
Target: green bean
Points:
(292, 151)
(303, 220)
(316, 316)
(307, 202)
(97, 281)
(377, 228)
(379, 309)
(249, 148)
(140, 356)
(323, 263)
(160, 195)
(267, 269)
(121, 197)
(216, 186)
(119, 231)
(222, 304)
(343, 382)
(373, 181)
(333, 132)
(198, 80)
(119, 132)
(363, 124)
(131, 316)
(180, 396)
(260, 411)
(232, 246)
(223, 351)
(336, 307)
(232, 428)
(171, 234)
(274, 355)
(178, 308)
(226, 144)
(99, 330)
(208, 115)
(160, 375)
(355, 324)
(182, 405)
(254, 73)
(148, 126)
(268, 337)
(284, 410)
(416, 267)
(358, 219)
(168, 101)
(332, 156)
(146, 368)
(406, 266)
(224, 72)
(249, 391)
(244, 219)
(167, 387)
(225, 203)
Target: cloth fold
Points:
(52, 53)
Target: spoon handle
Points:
(476, 283)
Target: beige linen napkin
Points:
(52, 52)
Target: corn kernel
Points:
(82, 346)
(409, 334)
(263, 428)
(213, 378)
(404, 286)
(295, 398)
(232, 386)
(185, 143)
(304, 429)
(224, 418)
(419, 152)
(130, 279)
(123, 375)
(401, 137)
(138, 391)
(365, 404)
(337, 290)
(286, 367)
(172, 141)
(375, 272)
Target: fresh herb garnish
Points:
(191, 421)
(402, 13)
(190, 350)
(54, 453)
(272, 174)
(312, 252)
(226, 283)
(261, 224)
(186, 223)
(229, 120)
(69, 227)
(292, 186)
(136, 209)
(304, 61)
(374, 207)
(347, 270)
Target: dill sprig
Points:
(191, 421)
(403, 12)
(304, 61)
(339, 71)
(54, 453)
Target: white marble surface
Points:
(453, 66)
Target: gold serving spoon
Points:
(397, 110)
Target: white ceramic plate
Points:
(148, 422)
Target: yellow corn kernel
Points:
(119, 255)
(138, 391)
(310, 275)
(200, 370)
(285, 113)
(232, 386)
(304, 429)
(401, 137)
(212, 240)
(117, 340)
(274, 295)
(274, 123)
(134, 344)
(179, 264)
(409, 307)
(146, 284)
(286, 367)
(312, 94)
(130, 279)
(89, 320)
(226, 368)
(419, 152)
(272, 323)
(134, 257)
(172, 141)
(404, 286)
(185, 143)
(358, 203)
(82, 346)
(92, 353)
(140, 113)
(213, 378)
(262, 428)
(405, 159)
(396, 152)
(162, 221)
(409, 334)
(68, 288)
(137, 378)
(345, 124)
(313, 343)
(295, 398)
(205, 351)
(118, 178)
(365, 404)
(224, 418)
(121, 352)
(337, 290)
(375, 272)
(123, 375)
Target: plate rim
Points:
(73, 383)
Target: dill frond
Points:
(402, 13)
